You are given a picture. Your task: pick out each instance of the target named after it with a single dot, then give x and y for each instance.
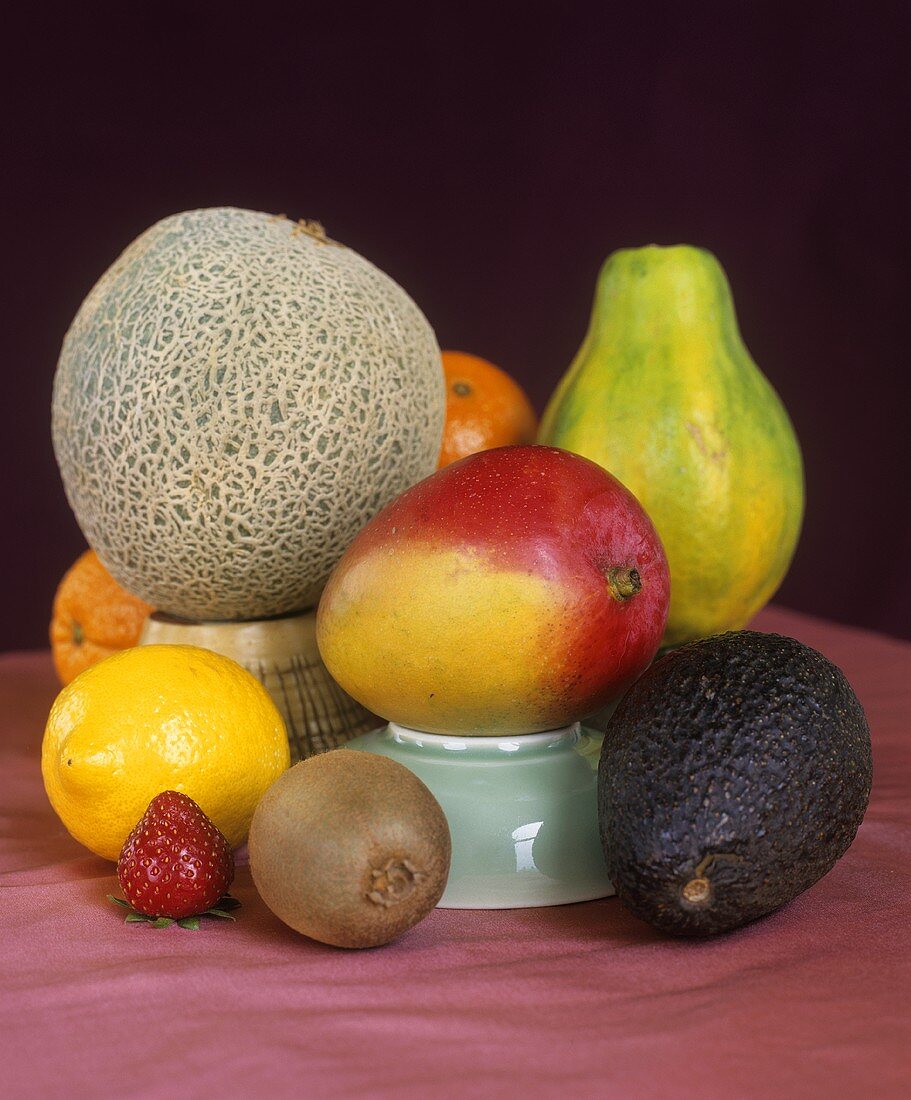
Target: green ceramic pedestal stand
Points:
(522, 812)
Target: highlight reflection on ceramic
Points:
(522, 812)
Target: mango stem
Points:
(624, 582)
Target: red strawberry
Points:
(175, 863)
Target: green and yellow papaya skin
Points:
(664, 394)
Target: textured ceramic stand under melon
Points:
(283, 655)
(522, 812)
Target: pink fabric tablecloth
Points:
(580, 1000)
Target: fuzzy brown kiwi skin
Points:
(349, 848)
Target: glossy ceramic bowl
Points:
(522, 812)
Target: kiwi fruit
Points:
(349, 848)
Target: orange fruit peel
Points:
(485, 408)
(92, 617)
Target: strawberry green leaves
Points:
(221, 911)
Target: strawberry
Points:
(175, 863)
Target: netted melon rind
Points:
(233, 401)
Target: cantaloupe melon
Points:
(235, 398)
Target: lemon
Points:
(156, 718)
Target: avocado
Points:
(733, 775)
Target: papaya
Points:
(664, 394)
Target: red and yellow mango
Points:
(515, 591)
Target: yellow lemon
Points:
(156, 718)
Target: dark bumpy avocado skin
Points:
(734, 774)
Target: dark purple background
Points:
(490, 164)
